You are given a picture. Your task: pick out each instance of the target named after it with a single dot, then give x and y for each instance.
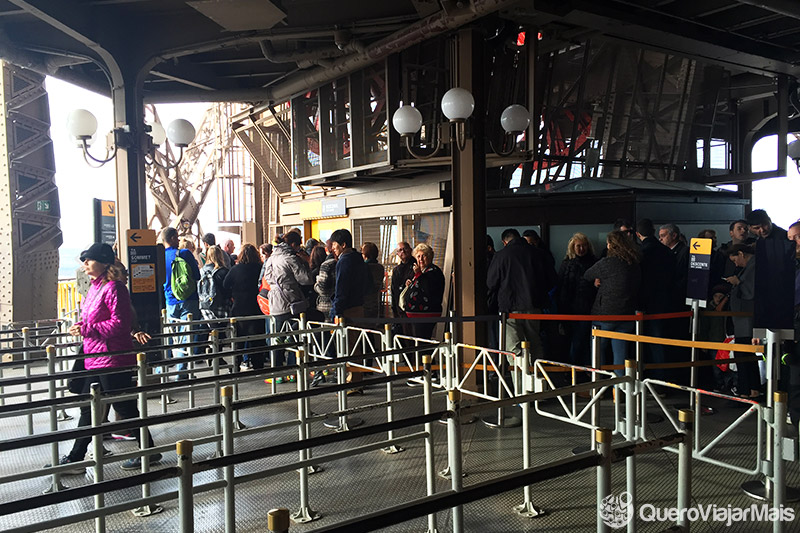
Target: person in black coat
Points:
(575, 296)
(243, 281)
(658, 279)
(518, 281)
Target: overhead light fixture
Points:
(457, 105)
(82, 125)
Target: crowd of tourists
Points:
(641, 268)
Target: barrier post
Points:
(602, 438)
(227, 449)
(454, 454)
(342, 350)
(526, 509)
(26, 356)
(278, 520)
(450, 364)
(166, 353)
(693, 370)
(499, 420)
(390, 370)
(232, 335)
(185, 496)
(778, 468)
(213, 337)
(630, 435)
(190, 364)
(51, 393)
(686, 421)
(596, 365)
(304, 514)
(63, 328)
(141, 380)
(97, 450)
(430, 468)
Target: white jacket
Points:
(285, 272)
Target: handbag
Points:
(76, 385)
(402, 298)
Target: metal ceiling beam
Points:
(423, 30)
(787, 8)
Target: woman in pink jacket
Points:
(105, 326)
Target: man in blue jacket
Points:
(351, 283)
(179, 310)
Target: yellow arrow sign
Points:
(700, 246)
(141, 237)
(108, 208)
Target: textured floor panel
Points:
(374, 480)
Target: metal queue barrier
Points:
(451, 374)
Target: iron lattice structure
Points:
(30, 234)
(215, 156)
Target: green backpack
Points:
(181, 280)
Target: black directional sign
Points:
(699, 269)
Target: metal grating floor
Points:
(374, 480)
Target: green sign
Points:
(43, 205)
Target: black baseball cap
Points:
(100, 252)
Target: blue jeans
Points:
(620, 349)
(180, 312)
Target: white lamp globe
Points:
(458, 104)
(158, 133)
(407, 120)
(515, 118)
(81, 124)
(180, 132)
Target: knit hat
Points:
(100, 252)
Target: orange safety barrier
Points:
(728, 347)
(601, 318)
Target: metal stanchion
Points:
(190, 365)
(454, 455)
(26, 355)
(602, 438)
(237, 424)
(527, 508)
(63, 328)
(342, 422)
(97, 448)
(430, 467)
(213, 336)
(757, 488)
(278, 520)
(305, 513)
(166, 353)
(778, 468)
(51, 393)
(227, 449)
(686, 420)
(630, 435)
(595, 408)
(185, 496)
(652, 418)
(141, 381)
(387, 345)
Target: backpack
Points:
(206, 288)
(181, 279)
